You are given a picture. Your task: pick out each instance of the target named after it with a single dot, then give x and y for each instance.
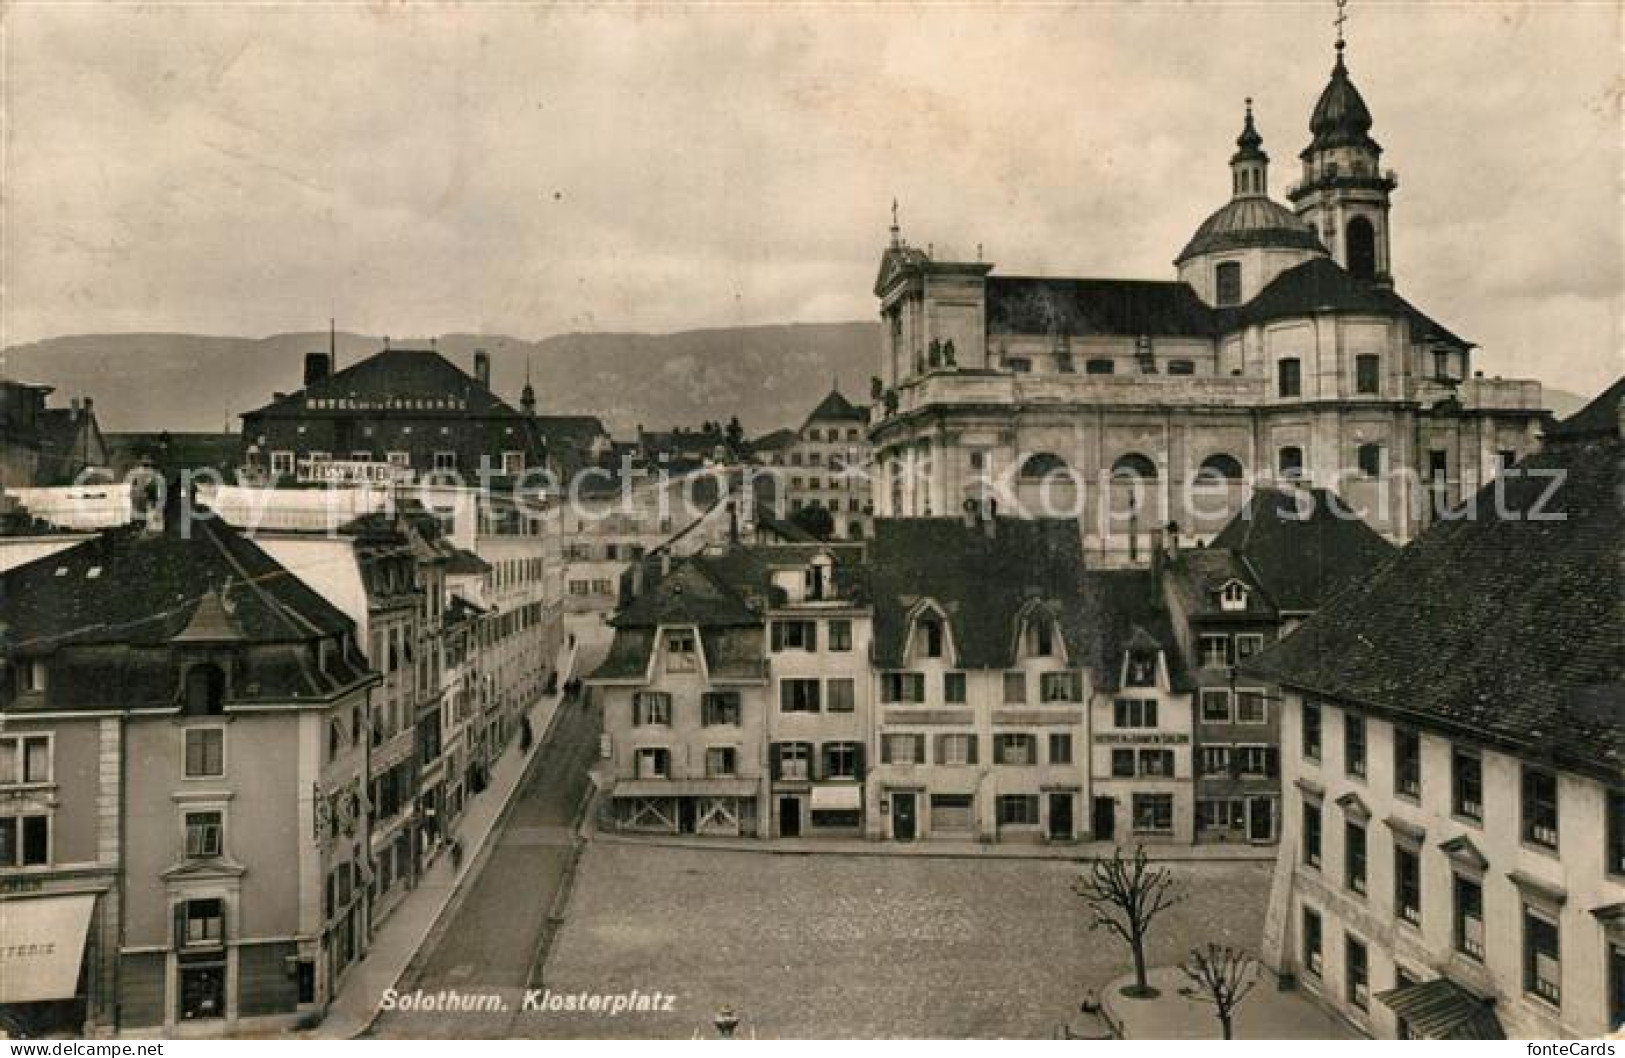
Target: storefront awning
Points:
(845, 798)
(685, 788)
(42, 943)
(1441, 1009)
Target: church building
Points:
(1280, 353)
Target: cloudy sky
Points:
(425, 169)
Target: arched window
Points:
(1290, 462)
(1048, 487)
(1219, 467)
(1042, 465)
(1134, 465)
(205, 691)
(1227, 283)
(1361, 243)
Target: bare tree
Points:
(1221, 976)
(1125, 896)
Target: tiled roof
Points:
(129, 589)
(1503, 627)
(1600, 418)
(1303, 545)
(405, 374)
(981, 580)
(1124, 608)
(1322, 285)
(836, 408)
(775, 441)
(126, 586)
(1082, 307)
(1198, 575)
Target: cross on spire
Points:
(896, 231)
(1342, 17)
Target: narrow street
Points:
(490, 937)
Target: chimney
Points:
(972, 510)
(990, 518)
(317, 367)
(89, 405)
(665, 564)
(1173, 539)
(733, 523)
(482, 367)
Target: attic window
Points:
(931, 637)
(93, 572)
(62, 571)
(1040, 638)
(1142, 669)
(1233, 596)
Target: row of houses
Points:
(1452, 863)
(966, 678)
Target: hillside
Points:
(769, 376)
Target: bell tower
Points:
(1345, 193)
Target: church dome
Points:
(1341, 118)
(1251, 221)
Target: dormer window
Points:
(206, 690)
(1142, 669)
(1233, 596)
(681, 655)
(821, 578)
(1041, 639)
(931, 637)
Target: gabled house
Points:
(1282, 557)
(986, 657)
(684, 691)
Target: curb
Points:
(991, 852)
(561, 899)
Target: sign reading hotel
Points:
(386, 404)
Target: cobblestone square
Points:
(858, 946)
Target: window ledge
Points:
(201, 796)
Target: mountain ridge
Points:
(770, 375)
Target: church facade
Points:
(1280, 353)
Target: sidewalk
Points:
(404, 931)
(934, 847)
(1266, 1014)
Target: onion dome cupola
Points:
(1345, 192)
(1249, 240)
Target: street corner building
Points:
(183, 803)
(1281, 352)
(1453, 859)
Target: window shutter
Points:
(941, 748)
(778, 635)
(637, 709)
(919, 750)
(970, 749)
(180, 925)
(812, 636)
(858, 762)
(1272, 762)
(775, 759)
(886, 756)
